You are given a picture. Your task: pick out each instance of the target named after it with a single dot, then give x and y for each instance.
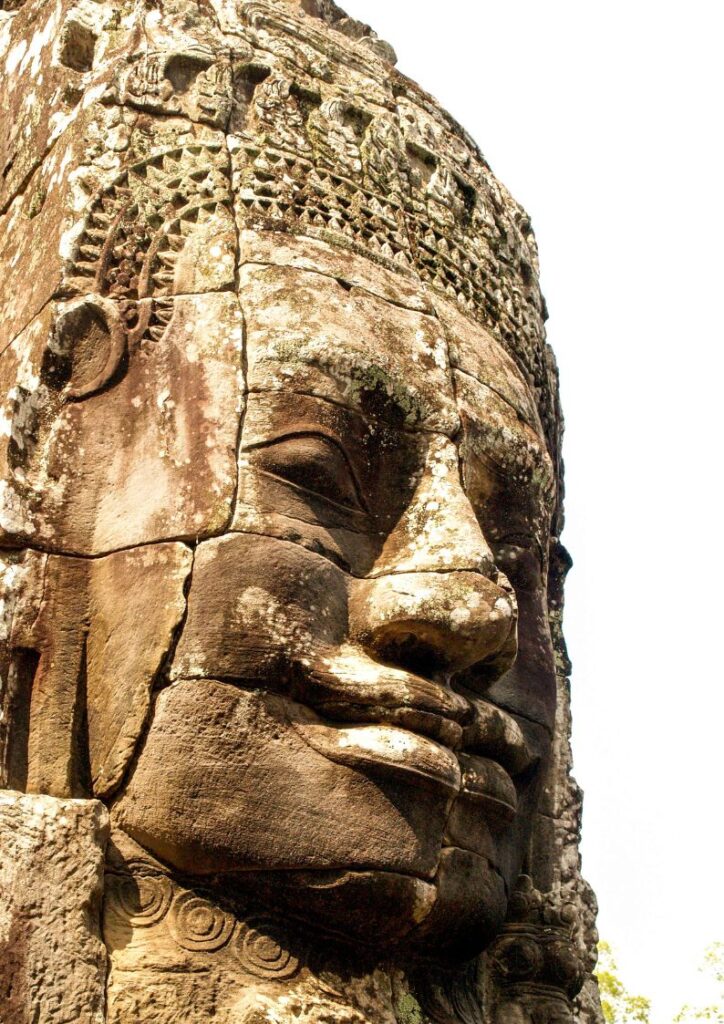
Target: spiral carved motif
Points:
(262, 950)
(143, 899)
(198, 925)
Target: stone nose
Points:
(435, 601)
(438, 530)
(432, 622)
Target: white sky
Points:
(605, 121)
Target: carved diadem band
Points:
(322, 138)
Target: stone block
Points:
(51, 880)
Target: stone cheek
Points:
(99, 630)
(257, 608)
(150, 458)
(51, 880)
(125, 652)
(206, 795)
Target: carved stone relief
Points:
(280, 509)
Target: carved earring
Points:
(89, 343)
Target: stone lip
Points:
(396, 697)
(405, 723)
(386, 747)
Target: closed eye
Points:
(520, 558)
(313, 462)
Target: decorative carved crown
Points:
(322, 138)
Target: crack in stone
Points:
(340, 278)
(39, 312)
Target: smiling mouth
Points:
(376, 718)
(369, 716)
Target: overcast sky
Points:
(605, 121)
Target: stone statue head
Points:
(281, 489)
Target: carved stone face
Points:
(276, 503)
(358, 702)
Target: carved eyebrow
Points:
(524, 442)
(314, 430)
(536, 464)
(528, 414)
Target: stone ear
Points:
(88, 346)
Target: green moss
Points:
(377, 389)
(408, 1010)
(36, 202)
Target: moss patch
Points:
(408, 1010)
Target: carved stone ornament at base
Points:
(533, 963)
(284, 707)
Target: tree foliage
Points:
(714, 967)
(619, 1005)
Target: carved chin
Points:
(225, 784)
(452, 918)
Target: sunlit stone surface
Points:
(285, 714)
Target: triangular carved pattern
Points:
(137, 226)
